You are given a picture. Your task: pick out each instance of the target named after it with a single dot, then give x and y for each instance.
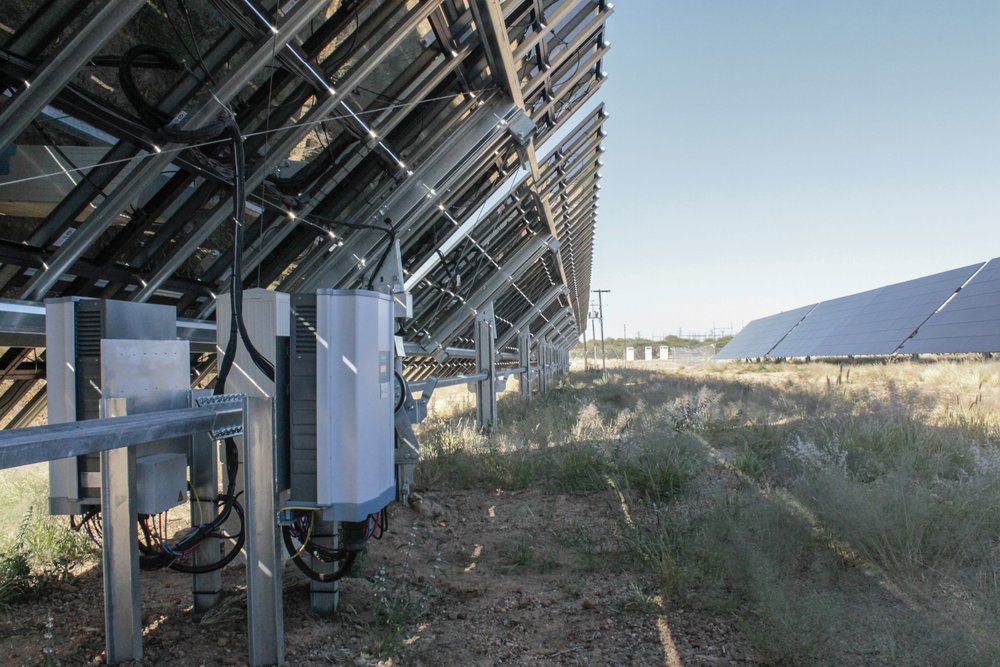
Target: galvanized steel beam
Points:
(508, 273)
(60, 69)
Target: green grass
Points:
(857, 522)
(35, 548)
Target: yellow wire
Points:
(305, 541)
(194, 492)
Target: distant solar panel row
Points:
(942, 313)
(760, 336)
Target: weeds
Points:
(16, 580)
(522, 555)
(897, 464)
(399, 602)
(42, 549)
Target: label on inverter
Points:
(384, 374)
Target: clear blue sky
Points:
(766, 154)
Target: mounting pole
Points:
(203, 454)
(524, 352)
(265, 619)
(486, 358)
(122, 608)
(542, 349)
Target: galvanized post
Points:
(122, 611)
(549, 365)
(543, 366)
(265, 624)
(324, 596)
(486, 394)
(203, 459)
(524, 351)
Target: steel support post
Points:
(407, 446)
(486, 359)
(324, 596)
(265, 622)
(203, 458)
(524, 352)
(267, 317)
(120, 555)
(543, 366)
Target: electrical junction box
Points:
(341, 402)
(160, 482)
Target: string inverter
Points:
(341, 397)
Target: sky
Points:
(764, 155)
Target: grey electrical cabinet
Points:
(341, 402)
(151, 377)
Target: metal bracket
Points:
(226, 425)
(389, 278)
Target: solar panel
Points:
(813, 332)
(968, 323)
(872, 322)
(893, 314)
(757, 338)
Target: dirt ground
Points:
(518, 578)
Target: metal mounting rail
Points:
(34, 444)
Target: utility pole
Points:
(585, 362)
(600, 314)
(593, 333)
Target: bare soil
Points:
(498, 578)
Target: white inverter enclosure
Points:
(355, 473)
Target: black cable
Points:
(239, 213)
(237, 329)
(225, 560)
(401, 382)
(152, 116)
(227, 359)
(157, 558)
(347, 559)
(194, 39)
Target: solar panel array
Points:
(883, 320)
(761, 335)
(363, 123)
(968, 323)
